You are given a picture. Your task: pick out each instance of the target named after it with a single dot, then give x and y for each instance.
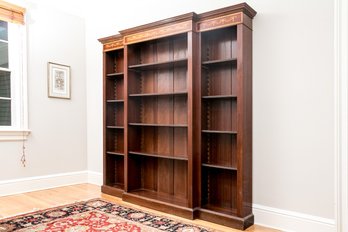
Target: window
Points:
(13, 105)
(5, 78)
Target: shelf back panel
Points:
(114, 89)
(114, 170)
(220, 79)
(114, 114)
(219, 149)
(164, 176)
(219, 44)
(219, 114)
(114, 61)
(166, 141)
(115, 140)
(158, 81)
(159, 110)
(160, 50)
(219, 189)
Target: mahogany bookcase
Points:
(178, 115)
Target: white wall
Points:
(293, 95)
(293, 108)
(57, 143)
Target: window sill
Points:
(14, 135)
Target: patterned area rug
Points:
(94, 215)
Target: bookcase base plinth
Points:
(159, 205)
(225, 219)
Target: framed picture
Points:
(58, 81)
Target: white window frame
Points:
(341, 114)
(19, 95)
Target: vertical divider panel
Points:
(240, 120)
(196, 116)
(125, 117)
(244, 123)
(171, 56)
(190, 39)
(105, 63)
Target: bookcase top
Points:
(228, 16)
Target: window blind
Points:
(11, 13)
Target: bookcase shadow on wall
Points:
(178, 115)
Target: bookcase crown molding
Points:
(224, 17)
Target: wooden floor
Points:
(28, 202)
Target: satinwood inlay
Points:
(159, 32)
(224, 21)
(113, 45)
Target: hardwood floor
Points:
(32, 201)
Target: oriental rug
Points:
(95, 215)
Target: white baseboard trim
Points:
(265, 216)
(29, 184)
(285, 220)
(95, 178)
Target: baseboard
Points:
(95, 178)
(29, 184)
(266, 216)
(280, 219)
(291, 221)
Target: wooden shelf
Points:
(157, 125)
(159, 65)
(164, 197)
(113, 189)
(219, 61)
(113, 84)
(115, 127)
(157, 94)
(119, 74)
(218, 209)
(219, 132)
(116, 185)
(219, 167)
(115, 101)
(115, 153)
(158, 156)
(219, 96)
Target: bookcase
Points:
(158, 120)
(178, 115)
(219, 121)
(113, 104)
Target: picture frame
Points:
(58, 80)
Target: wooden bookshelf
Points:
(178, 157)
(113, 104)
(115, 75)
(178, 115)
(157, 94)
(158, 123)
(159, 65)
(218, 96)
